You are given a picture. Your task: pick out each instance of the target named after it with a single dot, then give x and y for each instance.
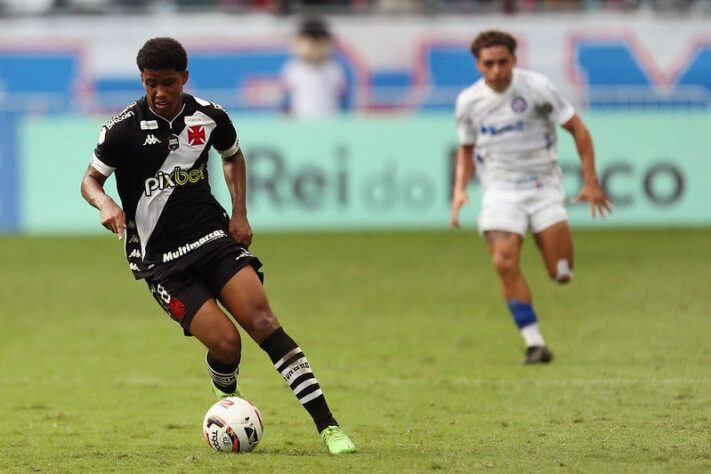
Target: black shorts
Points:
(183, 286)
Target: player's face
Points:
(496, 64)
(164, 90)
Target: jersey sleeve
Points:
(562, 110)
(286, 75)
(226, 140)
(106, 154)
(341, 79)
(466, 130)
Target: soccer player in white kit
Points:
(506, 123)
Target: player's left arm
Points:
(235, 171)
(591, 190)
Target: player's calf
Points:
(290, 361)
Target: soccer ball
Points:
(233, 425)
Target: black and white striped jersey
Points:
(162, 178)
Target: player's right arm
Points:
(463, 174)
(464, 170)
(92, 189)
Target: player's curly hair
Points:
(162, 53)
(489, 38)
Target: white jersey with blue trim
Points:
(513, 131)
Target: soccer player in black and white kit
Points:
(177, 237)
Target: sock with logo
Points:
(527, 322)
(292, 364)
(224, 376)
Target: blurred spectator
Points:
(84, 6)
(314, 82)
(26, 7)
(396, 6)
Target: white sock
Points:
(563, 272)
(532, 335)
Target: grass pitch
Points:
(410, 339)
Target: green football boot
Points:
(337, 441)
(220, 394)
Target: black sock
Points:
(224, 376)
(291, 363)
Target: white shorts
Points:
(516, 209)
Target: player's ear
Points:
(514, 58)
(185, 75)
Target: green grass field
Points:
(410, 339)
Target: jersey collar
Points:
(169, 122)
(514, 76)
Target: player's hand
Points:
(113, 218)
(599, 201)
(240, 230)
(458, 200)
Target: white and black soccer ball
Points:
(233, 425)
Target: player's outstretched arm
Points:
(591, 191)
(111, 215)
(462, 175)
(235, 172)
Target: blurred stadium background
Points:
(639, 71)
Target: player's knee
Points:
(505, 263)
(563, 272)
(228, 348)
(262, 323)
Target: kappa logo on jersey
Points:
(135, 253)
(196, 135)
(178, 177)
(133, 267)
(134, 239)
(151, 140)
(245, 253)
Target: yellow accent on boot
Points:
(220, 394)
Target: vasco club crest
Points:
(196, 135)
